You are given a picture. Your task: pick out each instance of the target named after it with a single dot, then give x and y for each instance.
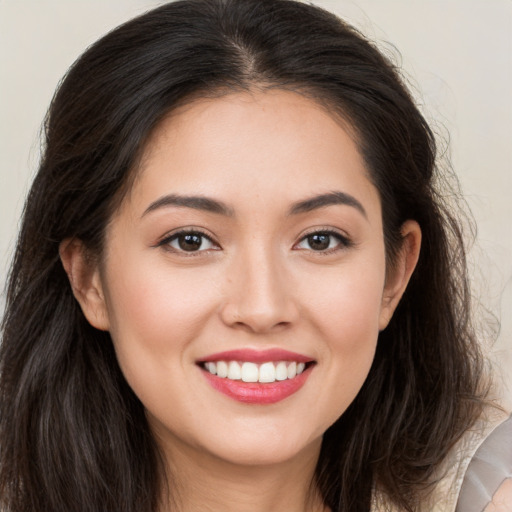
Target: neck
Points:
(201, 481)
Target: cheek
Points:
(155, 316)
(354, 324)
(155, 313)
(346, 304)
(346, 318)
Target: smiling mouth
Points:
(266, 373)
(257, 376)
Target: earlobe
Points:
(399, 275)
(84, 277)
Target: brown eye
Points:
(319, 241)
(323, 241)
(189, 241)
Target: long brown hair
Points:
(73, 435)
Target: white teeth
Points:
(252, 372)
(267, 372)
(292, 370)
(281, 371)
(222, 369)
(234, 371)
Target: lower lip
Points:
(255, 392)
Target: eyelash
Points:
(166, 242)
(343, 242)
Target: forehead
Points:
(275, 145)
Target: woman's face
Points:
(251, 243)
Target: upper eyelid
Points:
(345, 238)
(185, 231)
(326, 230)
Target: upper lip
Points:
(257, 356)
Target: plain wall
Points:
(456, 54)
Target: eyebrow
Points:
(329, 199)
(214, 206)
(196, 202)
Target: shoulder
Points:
(459, 476)
(487, 483)
(502, 498)
(464, 469)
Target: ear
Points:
(84, 277)
(399, 274)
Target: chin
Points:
(263, 443)
(267, 452)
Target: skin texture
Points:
(255, 282)
(502, 499)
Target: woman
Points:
(234, 287)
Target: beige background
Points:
(456, 54)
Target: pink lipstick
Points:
(257, 376)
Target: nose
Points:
(259, 295)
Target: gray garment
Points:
(490, 466)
